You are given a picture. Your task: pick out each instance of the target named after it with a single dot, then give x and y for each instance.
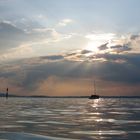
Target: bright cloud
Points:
(97, 39)
(65, 22)
(23, 51)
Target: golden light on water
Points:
(100, 132)
(95, 103)
(99, 120)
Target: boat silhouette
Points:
(7, 93)
(94, 96)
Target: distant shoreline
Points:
(3, 95)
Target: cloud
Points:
(65, 22)
(115, 61)
(101, 37)
(56, 74)
(44, 33)
(113, 43)
(103, 46)
(134, 37)
(53, 57)
(63, 86)
(121, 48)
(10, 36)
(23, 51)
(85, 51)
(42, 17)
(16, 43)
(44, 40)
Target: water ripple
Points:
(70, 118)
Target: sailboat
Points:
(94, 96)
(7, 93)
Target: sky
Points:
(59, 47)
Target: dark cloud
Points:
(116, 49)
(134, 37)
(110, 57)
(52, 57)
(85, 51)
(131, 58)
(71, 54)
(121, 72)
(127, 72)
(121, 48)
(10, 36)
(103, 47)
(6, 28)
(78, 53)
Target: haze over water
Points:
(42, 118)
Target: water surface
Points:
(42, 118)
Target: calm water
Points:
(41, 119)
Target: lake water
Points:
(43, 119)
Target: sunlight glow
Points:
(93, 46)
(101, 36)
(96, 40)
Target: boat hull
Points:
(94, 97)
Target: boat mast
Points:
(6, 93)
(94, 88)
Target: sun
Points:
(93, 46)
(98, 39)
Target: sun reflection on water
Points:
(95, 103)
(100, 132)
(99, 120)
